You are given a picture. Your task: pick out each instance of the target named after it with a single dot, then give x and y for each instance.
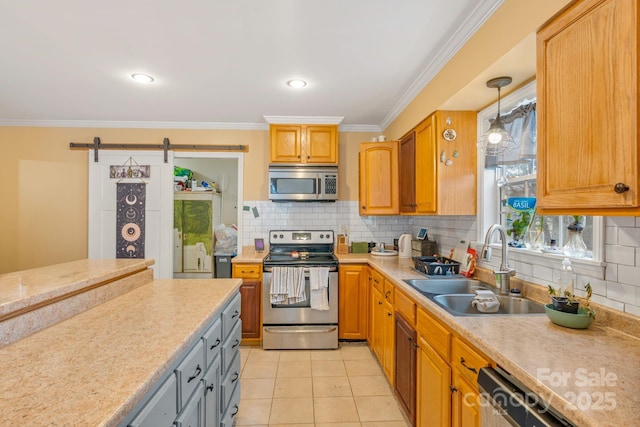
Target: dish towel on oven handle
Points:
(319, 287)
(287, 285)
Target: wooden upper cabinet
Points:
(587, 84)
(379, 178)
(305, 144)
(407, 173)
(445, 169)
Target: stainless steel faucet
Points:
(503, 275)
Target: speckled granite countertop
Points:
(592, 376)
(28, 288)
(93, 368)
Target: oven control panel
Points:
(301, 237)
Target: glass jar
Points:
(575, 246)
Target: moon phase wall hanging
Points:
(130, 219)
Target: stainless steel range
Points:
(312, 322)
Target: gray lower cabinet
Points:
(161, 408)
(203, 387)
(193, 413)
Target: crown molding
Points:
(133, 124)
(360, 128)
(303, 120)
(475, 19)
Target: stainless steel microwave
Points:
(303, 184)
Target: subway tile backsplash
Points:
(619, 289)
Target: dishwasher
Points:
(505, 402)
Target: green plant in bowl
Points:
(580, 320)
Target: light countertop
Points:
(93, 368)
(592, 376)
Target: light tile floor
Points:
(343, 388)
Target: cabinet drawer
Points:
(438, 337)
(230, 315)
(161, 409)
(211, 382)
(230, 346)
(193, 414)
(378, 280)
(247, 271)
(467, 361)
(406, 306)
(388, 292)
(229, 382)
(228, 419)
(189, 373)
(212, 340)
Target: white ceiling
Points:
(224, 63)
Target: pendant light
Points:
(496, 140)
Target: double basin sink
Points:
(456, 295)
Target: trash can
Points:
(223, 265)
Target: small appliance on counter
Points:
(405, 246)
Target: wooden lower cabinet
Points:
(382, 332)
(251, 294)
(405, 369)
(353, 302)
(433, 391)
(465, 407)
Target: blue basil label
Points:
(522, 203)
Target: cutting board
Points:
(460, 251)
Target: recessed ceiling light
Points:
(142, 78)
(297, 83)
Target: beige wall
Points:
(43, 218)
(508, 26)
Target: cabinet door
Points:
(433, 393)
(250, 292)
(377, 313)
(465, 407)
(286, 144)
(426, 172)
(405, 369)
(407, 173)
(353, 302)
(320, 144)
(379, 178)
(388, 341)
(587, 86)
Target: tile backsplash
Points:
(618, 289)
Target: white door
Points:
(158, 211)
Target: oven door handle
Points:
(299, 331)
(306, 270)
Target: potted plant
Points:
(568, 303)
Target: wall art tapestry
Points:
(130, 217)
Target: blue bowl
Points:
(581, 320)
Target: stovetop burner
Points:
(292, 248)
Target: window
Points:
(510, 188)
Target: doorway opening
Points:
(195, 223)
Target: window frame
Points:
(488, 196)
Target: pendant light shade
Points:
(496, 140)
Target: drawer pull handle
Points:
(235, 344)
(453, 389)
(386, 294)
(235, 314)
(196, 374)
(210, 387)
(465, 365)
(215, 344)
(235, 377)
(235, 410)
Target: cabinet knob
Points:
(298, 155)
(364, 208)
(308, 157)
(621, 188)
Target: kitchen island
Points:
(591, 376)
(95, 367)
